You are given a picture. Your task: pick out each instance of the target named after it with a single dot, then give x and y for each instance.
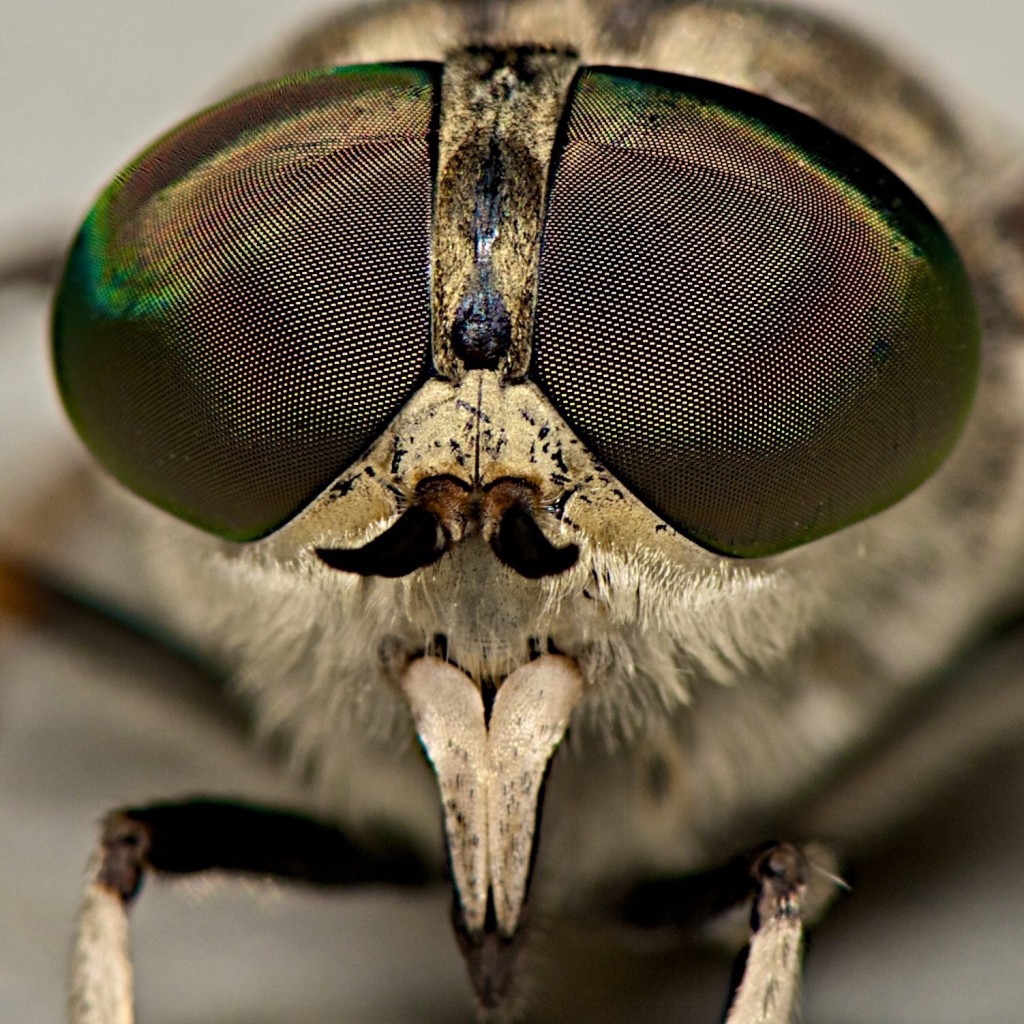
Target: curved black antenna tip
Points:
(413, 541)
(521, 545)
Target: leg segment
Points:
(768, 989)
(762, 898)
(207, 835)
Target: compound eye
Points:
(759, 329)
(248, 304)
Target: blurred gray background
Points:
(82, 87)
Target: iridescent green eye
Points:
(759, 328)
(248, 304)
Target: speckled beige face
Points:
(480, 431)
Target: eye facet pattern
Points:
(248, 304)
(760, 329)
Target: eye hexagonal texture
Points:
(756, 326)
(248, 304)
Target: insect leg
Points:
(207, 835)
(760, 900)
(769, 987)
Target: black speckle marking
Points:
(660, 528)
(396, 458)
(342, 487)
(370, 472)
(465, 406)
(618, 494)
(495, 442)
(559, 478)
(457, 452)
(543, 432)
(559, 461)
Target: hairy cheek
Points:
(302, 638)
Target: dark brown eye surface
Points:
(248, 304)
(757, 327)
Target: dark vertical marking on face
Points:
(500, 111)
(482, 331)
